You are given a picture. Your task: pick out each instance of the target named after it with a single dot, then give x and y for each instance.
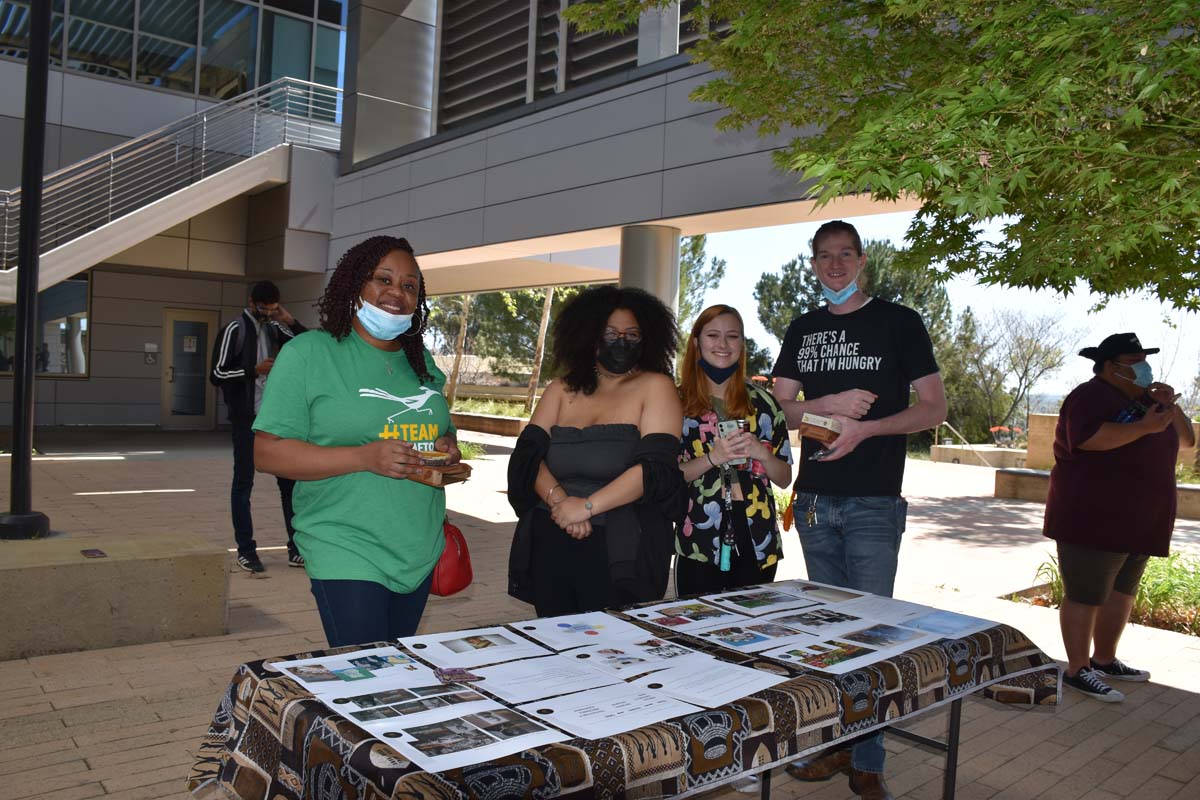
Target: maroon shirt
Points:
(1120, 500)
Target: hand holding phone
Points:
(730, 427)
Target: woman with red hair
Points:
(729, 538)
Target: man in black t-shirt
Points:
(854, 360)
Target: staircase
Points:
(105, 204)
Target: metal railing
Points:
(92, 193)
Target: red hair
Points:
(693, 383)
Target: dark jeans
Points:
(703, 577)
(243, 486)
(358, 612)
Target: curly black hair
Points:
(580, 324)
(340, 302)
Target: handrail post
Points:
(203, 143)
(112, 166)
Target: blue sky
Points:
(750, 253)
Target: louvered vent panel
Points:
(547, 48)
(484, 48)
(692, 27)
(594, 55)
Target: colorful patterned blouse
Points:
(699, 535)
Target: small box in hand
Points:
(441, 476)
(823, 429)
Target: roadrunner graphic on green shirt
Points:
(422, 435)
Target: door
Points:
(188, 399)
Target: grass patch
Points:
(471, 450)
(496, 408)
(1168, 597)
(1186, 474)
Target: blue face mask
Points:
(1143, 374)
(381, 324)
(837, 298)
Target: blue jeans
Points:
(853, 542)
(358, 612)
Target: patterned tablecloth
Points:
(272, 739)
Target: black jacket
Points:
(235, 356)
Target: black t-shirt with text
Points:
(881, 347)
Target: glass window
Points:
(286, 48)
(61, 332)
(327, 71)
(100, 38)
(301, 7)
(332, 11)
(170, 19)
(227, 52)
(167, 64)
(14, 29)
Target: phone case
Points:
(728, 427)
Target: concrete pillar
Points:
(658, 33)
(75, 357)
(650, 261)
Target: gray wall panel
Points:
(110, 390)
(620, 156)
(446, 197)
(11, 137)
(347, 191)
(613, 203)
(387, 181)
(173, 291)
(310, 190)
(450, 163)
(621, 114)
(679, 104)
(445, 233)
(747, 180)
(115, 337)
(108, 413)
(599, 98)
(76, 144)
(119, 108)
(695, 139)
(386, 211)
(347, 220)
(108, 364)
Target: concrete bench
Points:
(489, 423)
(53, 599)
(1034, 484)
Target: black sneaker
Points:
(1120, 671)
(295, 560)
(250, 563)
(1089, 682)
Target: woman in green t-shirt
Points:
(348, 412)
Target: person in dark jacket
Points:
(594, 477)
(242, 359)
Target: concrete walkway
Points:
(125, 722)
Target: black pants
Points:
(571, 576)
(702, 577)
(243, 486)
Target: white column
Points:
(650, 261)
(658, 33)
(75, 356)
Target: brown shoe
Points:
(869, 785)
(821, 768)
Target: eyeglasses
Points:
(611, 335)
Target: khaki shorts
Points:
(1090, 575)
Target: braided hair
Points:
(343, 295)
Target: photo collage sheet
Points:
(459, 698)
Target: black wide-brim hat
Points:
(1119, 344)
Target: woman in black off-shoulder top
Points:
(594, 477)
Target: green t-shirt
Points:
(360, 526)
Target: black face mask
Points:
(620, 356)
(718, 374)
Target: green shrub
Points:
(471, 450)
(500, 408)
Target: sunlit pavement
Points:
(125, 722)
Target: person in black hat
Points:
(1111, 504)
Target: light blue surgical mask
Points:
(837, 298)
(1143, 374)
(381, 324)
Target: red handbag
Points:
(453, 571)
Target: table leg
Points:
(764, 778)
(949, 747)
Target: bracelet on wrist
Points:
(708, 455)
(550, 494)
(587, 503)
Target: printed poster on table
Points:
(472, 648)
(636, 656)
(819, 621)
(606, 712)
(578, 630)
(757, 600)
(473, 738)
(709, 684)
(817, 592)
(686, 616)
(947, 624)
(536, 678)
(359, 672)
(753, 637)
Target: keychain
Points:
(727, 540)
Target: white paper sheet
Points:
(421, 710)
(536, 678)
(471, 739)
(604, 712)
(636, 656)
(888, 639)
(762, 634)
(709, 684)
(817, 592)
(359, 672)
(947, 624)
(578, 630)
(822, 620)
(882, 609)
(755, 601)
(472, 648)
(687, 615)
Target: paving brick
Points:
(1083, 752)
(1082, 781)
(82, 792)
(1134, 774)
(1184, 766)
(1032, 784)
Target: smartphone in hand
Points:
(727, 428)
